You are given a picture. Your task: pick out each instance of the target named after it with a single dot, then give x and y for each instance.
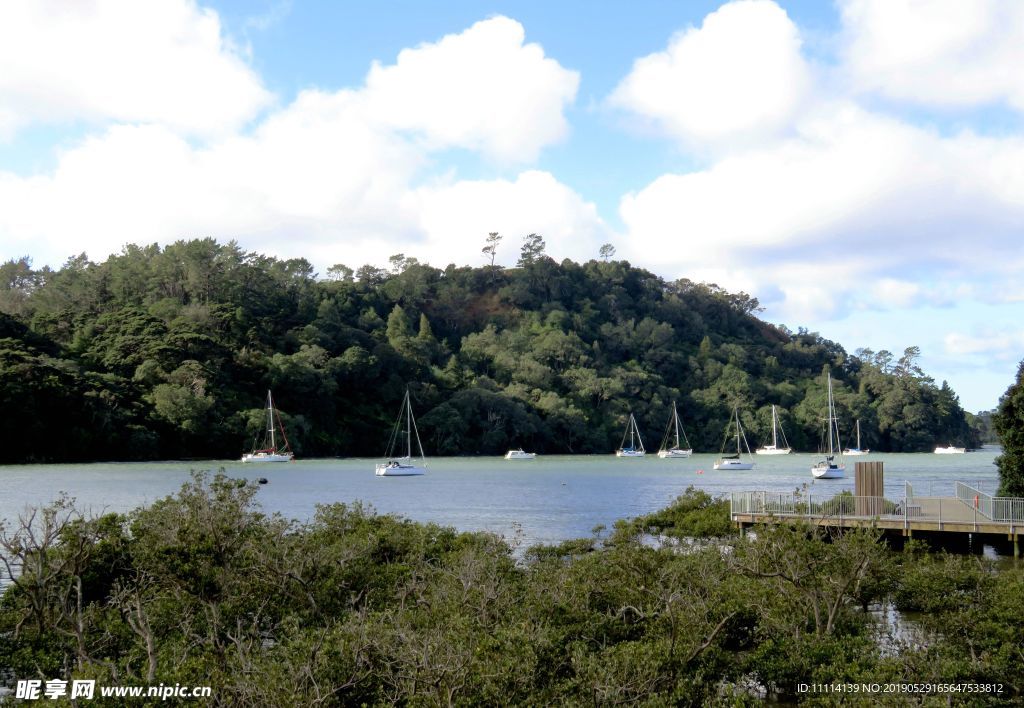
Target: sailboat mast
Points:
(270, 420)
(408, 426)
(675, 419)
(831, 415)
(775, 429)
(736, 412)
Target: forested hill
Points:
(168, 353)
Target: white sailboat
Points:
(267, 451)
(734, 461)
(774, 448)
(636, 444)
(829, 468)
(520, 455)
(403, 465)
(856, 450)
(673, 433)
(950, 450)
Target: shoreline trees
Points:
(1009, 425)
(166, 352)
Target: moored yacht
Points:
(856, 450)
(734, 461)
(268, 451)
(674, 434)
(636, 444)
(829, 468)
(404, 465)
(774, 448)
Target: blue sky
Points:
(857, 166)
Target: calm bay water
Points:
(549, 499)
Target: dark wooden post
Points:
(869, 482)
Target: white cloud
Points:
(482, 89)
(740, 77)
(860, 207)
(818, 204)
(1009, 292)
(936, 52)
(456, 218)
(323, 177)
(316, 180)
(837, 216)
(779, 196)
(1002, 343)
(896, 293)
(164, 62)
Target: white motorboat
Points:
(829, 468)
(636, 444)
(775, 448)
(267, 450)
(674, 433)
(405, 465)
(520, 455)
(950, 450)
(735, 461)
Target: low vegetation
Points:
(358, 608)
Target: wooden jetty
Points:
(967, 519)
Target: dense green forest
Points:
(354, 608)
(1009, 424)
(168, 353)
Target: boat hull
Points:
(856, 452)
(266, 457)
(629, 453)
(772, 450)
(828, 471)
(733, 465)
(950, 450)
(674, 454)
(384, 470)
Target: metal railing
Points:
(841, 505)
(1008, 509)
(969, 506)
(975, 498)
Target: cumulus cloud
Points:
(871, 203)
(739, 77)
(482, 89)
(164, 62)
(456, 216)
(841, 208)
(936, 52)
(314, 166)
(327, 176)
(315, 180)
